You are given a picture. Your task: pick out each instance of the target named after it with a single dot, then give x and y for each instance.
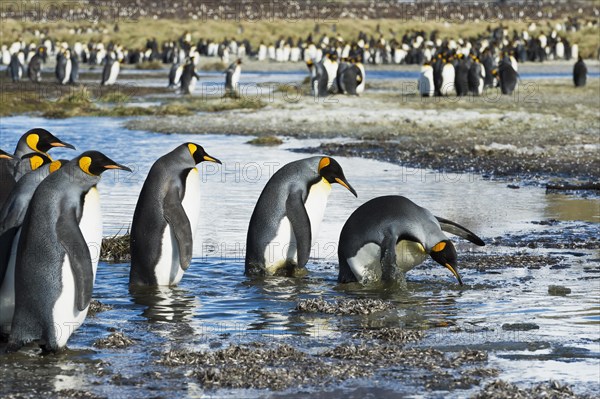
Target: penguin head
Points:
(444, 253)
(94, 163)
(36, 160)
(331, 171)
(6, 155)
(41, 140)
(199, 155)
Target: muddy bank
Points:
(548, 130)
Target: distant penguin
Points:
(55, 267)
(507, 77)
(318, 79)
(74, 75)
(461, 78)
(287, 216)
(166, 217)
(232, 78)
(331, 66)
(476, 78)
(349, 79)
(12, 215)
(388, 236)
(111, 70)
(175, 74)
(189, 77)
(448, 76)
(34, 69)
(579, 73)
(64, 65)
(15, 68)
(488, 66)
(425, 83)
(438, 65)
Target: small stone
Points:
(558, 290)
(520, 326)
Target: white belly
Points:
(65, 315)
(448, 75)
(282, 249)
(366, 264)
(361, 87)
(7, 290)
(235, 78)
(68, 68)
(192, 85)
(168, 270)
(114, 73)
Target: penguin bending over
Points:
(388, 236)
(232, 78)
(12, 215)
(287, 216)
(349, 77)
(579, 73)
(166, 217)
(55, 270)
(34, 68)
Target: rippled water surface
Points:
(215, 302)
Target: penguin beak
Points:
(211, 159)
(344, 183)
(117, 166)
(62, 144)
(6, 156)
(453, 270)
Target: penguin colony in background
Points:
(51, 218)
(459, 65)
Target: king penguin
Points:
(111, 70)
(388, 236)
(287, 216)
(425, 83)
(507, 76)
(35, 140)
(64, 65)
(189, 77)
(55, 267)
(318, 78)
(579, 73)
(12, 215)
(232, 78)
(166, 217)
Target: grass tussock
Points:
(115, 248)
(216, 66)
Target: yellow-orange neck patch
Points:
(35, 162)
(54, 166)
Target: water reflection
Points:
(165, 304)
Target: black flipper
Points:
(388, 257)
(456, 229)
(72, 240)
(296, 213)
(180, 226)
(6, 241)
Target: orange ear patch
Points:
(84, 164)
(32, 141)
(192, 148)
(439, 246)
(324, 163)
